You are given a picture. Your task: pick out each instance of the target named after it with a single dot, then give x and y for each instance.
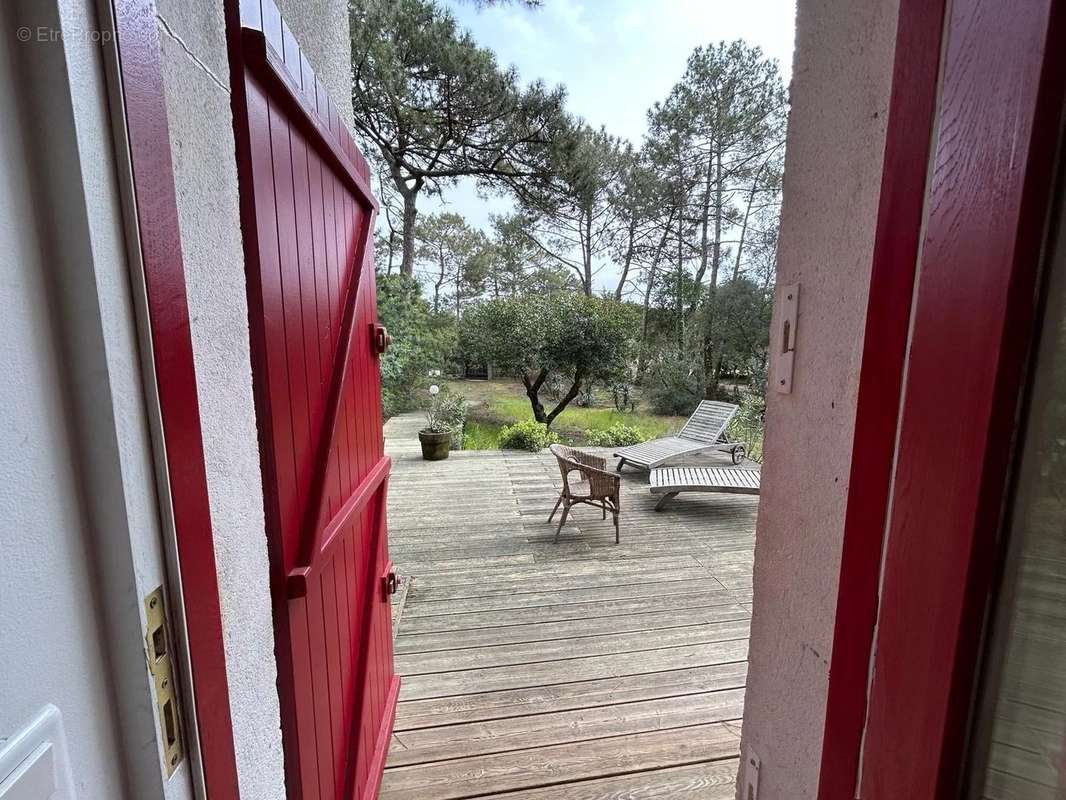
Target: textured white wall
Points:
(840, 89)
(196, 78)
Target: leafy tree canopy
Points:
(454, 257)
(576, 337)
(436, 106)
(421, 341)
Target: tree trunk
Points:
(705, 208)
(571, 393)
(439, 283)
(407, 262)
(710, 374)
(587, 254)
(744, 224)
(680, 299)
(533, 393)
(627, 261)
(642, 353)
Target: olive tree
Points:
(574, 337)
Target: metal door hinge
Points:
(161, 667)
(389, 582)
(380, 338)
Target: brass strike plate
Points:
(161, 666)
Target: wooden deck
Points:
(578, 670)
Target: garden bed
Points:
(497, 404)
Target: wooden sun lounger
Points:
(704, 432)
(671, 481)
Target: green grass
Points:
(481, 436)
(495, 404)
(575, 420)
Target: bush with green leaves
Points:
(747, 426)
(529, 435)
(579, 339)
(673, 386)
(447, 414)
(421, 341)
(617, 435)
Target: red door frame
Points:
(140, 67)
(973, 325)
(908, 139)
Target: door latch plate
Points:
(784, 337)
(161, 666)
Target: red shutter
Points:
(307, 215)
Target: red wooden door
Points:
(307, 215)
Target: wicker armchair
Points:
(596, 487)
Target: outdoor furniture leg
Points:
(599, 488)
(663, 500)
(562, 521)
(621, 463)
(557, 502)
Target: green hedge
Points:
(617, 435)
(529, 435)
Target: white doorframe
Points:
(70, 90)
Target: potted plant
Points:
(444, 424)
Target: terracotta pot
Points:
(435, 446)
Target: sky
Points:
(615, 57)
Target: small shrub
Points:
(618, 435)
(529, 435)
(622, 394)
(747, 426)
(673, 387)
(586, 395)
(447, 414)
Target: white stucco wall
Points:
(196, 78)
(839, 97)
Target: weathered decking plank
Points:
(617, 665)
(564, 630)
(547, 764)
(521, 733)
(638, 641)
(443, 712)
(712, 780)
(580, 669)
(561, 612)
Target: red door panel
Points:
(999, 107)
(307, 217)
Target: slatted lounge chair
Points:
(671, 481)
(704, 432)
(595, 486)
